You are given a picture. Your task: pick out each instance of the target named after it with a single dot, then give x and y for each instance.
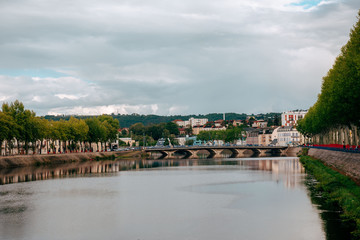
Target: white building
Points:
(197, 121)
(290, 118)
(289, 136)
(191, 122)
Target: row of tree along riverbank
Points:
(335, 117)
(53, 159)
(336, 174)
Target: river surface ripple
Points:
(253, 198)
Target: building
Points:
(218, 123)
(180, 123)
(237, 123)
(265, 137)
(128, 141)
(290, 118)
(197, 121)
(192, 122)
(198, 129)
(260, 124)
(252, 137)
(288, 135)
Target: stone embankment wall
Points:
(344, 162)
(31, 160)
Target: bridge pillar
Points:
(262, 152)
(283, 152)
(169, 154)
(238, 153)
(193, 153)
(217, 153)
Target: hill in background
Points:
(128, 120)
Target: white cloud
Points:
(69, 96)
(169, 57)
(106, 109)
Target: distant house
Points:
(252, 136)
(288, 135)
(198, 129)
(128, 141)
(191, 122)
(182, 131)
(265, 137)
(259, 137)
(180, 123)
(291, 118)
(218, 123)
(260, 124)
(237, 122)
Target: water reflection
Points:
(287, 167)
(166, 199)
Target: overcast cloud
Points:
(169, 56)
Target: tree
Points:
(172, 128)
(338, 103)
(8, 130)
(78, 130)
(137, 128)
(111, 125)
(155, 131)
(96, 132)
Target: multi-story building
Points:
(259, 137)
(265, 137)
(290, 118)
(180, 123)
(192, 122)
(198, 129)
(252, 137)
(289, 136)
(260, 124)
(197, 121)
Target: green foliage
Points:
(137, 129)
(338, 102)
(8, 129)
(336, 188)
(228, 135)
(147, 120)
(172, 128)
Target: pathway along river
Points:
(252, 198)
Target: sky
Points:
(168, 57)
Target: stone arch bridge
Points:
(216, 151)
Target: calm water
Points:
(186, 199)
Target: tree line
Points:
(150, 134)
(229, 135)
(338, 103)
(21, 127)
(128, 120)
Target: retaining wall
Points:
(30, 160)
(345, 162)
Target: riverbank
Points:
(50, 159)
(344, 162)
(335, 188)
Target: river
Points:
(247, 198)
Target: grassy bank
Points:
(337, 190)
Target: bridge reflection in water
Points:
(279, 167)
